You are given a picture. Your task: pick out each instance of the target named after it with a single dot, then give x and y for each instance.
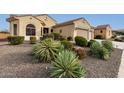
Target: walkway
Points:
(3, 43)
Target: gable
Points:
(29, 19)
(82, 24)
(46, 19)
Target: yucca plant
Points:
(66, 65)
(46, 50)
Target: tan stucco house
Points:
(29, 25)
(39, 25)
(104, 30)
(76, 27)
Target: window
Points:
(101, 31)
(15, 29)
(45, 30)
(51, 30)
(60, 31)
(30, 30)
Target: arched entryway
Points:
(30, 30)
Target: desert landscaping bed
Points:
(17, 61)
(97, 68)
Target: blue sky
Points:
(115, 20)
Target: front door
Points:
(45, 31)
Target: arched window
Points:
(30, 30)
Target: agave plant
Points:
(66, 65)
(46, 50)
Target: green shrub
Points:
(104, 53)
(98, 37)
(69, 38)
(15, 40)
(95, 47)
(66, 65)
(80, 41)
(119, 40)
(91, 42)
(33, 40)
(99, 51)
(67, 44)
(122, 37)
(81, 53)
(108, 45)
(61, 38)
(47, 36)
(46, 50)
(56, 36)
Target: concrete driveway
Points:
(116, 44)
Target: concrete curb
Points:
(121, 68)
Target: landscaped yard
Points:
(97, 68)
(17, 61)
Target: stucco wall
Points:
(11, 27)
(106, 32)
(82, 24)
(67, 30)
(82, 33)
(98, 32)
(23, 21)
(92, 31)
(46, 19)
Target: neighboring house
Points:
(104, 30)
(39, 25)
(4, 35)
(76, 27)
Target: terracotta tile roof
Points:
(4, 32)
(32, 16)
(81, 29)
(92, 27)
(102, 26)
(67, 22)
(13, 18)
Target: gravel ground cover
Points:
(97, 68)
(17, 61)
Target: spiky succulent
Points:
(66, 65)
(46, 50)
